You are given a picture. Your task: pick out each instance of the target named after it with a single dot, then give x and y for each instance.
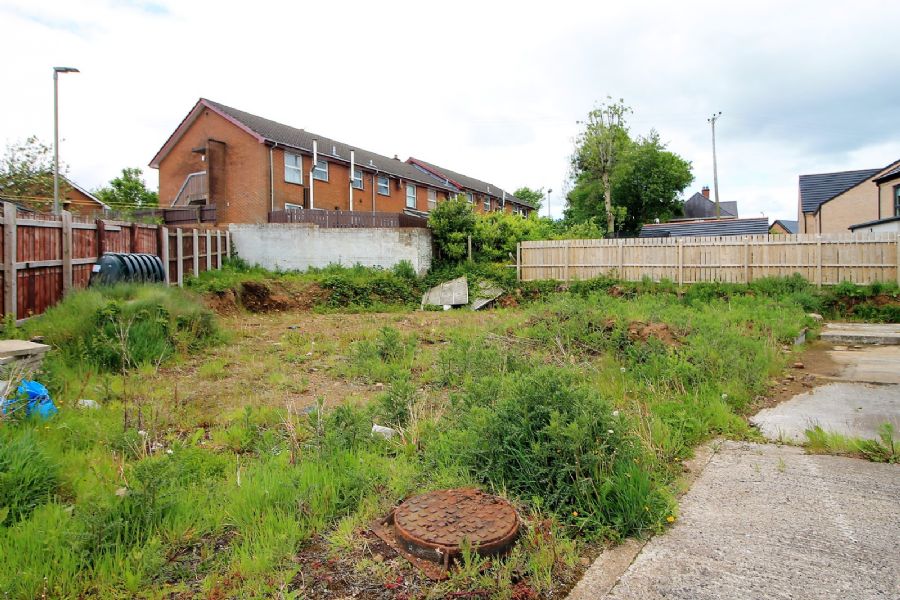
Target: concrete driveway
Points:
(770, 521)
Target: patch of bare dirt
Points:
(275, 296)
(223, 303)
(811, 368)
(642, 332)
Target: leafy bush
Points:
(451, 223)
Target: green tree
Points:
(647, 183)
(128, 191)
(600, 148)
(26, 173)
(644, 183)
(533, 197)
(497, 233)
(451, 223)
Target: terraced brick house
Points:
(484, 196)
(247, 166)
(835, 202)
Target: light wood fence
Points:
(45, 256)
(821, 259)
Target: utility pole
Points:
(548, 203)
(712, 121)
(56, 72)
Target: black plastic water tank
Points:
(116, 267)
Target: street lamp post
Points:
(549, 190)
(56, 72)
(712, 121)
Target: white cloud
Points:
(489, 89)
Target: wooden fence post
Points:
(179, 256)
(218, 249)
(101, 237)
(519, 262)
(621, 249)
(819, 261)
(680, 243)
(567, 245)
(227, 243)
(746, 259)
(208, 250)
(196, 255)
(10, 293)
(133, 237)
(164, 252)
(66, 251)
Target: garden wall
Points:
(299, 246)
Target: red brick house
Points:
(247, 165)
(484, 196)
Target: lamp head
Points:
(65, 70)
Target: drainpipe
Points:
(374, 176)
(352, 168)
(271, 180)
(312, 181)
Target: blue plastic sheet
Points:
(34, 397)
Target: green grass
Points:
(885, 448)
(568, 407)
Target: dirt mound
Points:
(642, 332)
(223, 303)
(272, 296)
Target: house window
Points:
(432, 199)
(293, 168)
(289, 206)
(384, 187)
(487, 204)
(357, 179)
(410, 195)
(470, 197)
(321, 170)
(897, 200)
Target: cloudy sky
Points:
(492, 89)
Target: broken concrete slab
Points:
(851, 409)
(861, 333)
(449, 293)
(486, 294)
(21, 348)
(20, 356)
(870, 364)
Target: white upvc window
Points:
(384, 185)
(487, 203)
(290, 206)
(293, 168)
(321, 170)
(357, 178)
(470, 197)
(410, 195)
(432, 199)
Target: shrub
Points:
(451, 223)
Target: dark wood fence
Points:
(346, 218)
(45, 256)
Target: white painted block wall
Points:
(298, 246)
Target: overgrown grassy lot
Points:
(232, 457)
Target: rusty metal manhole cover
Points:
(430, 529)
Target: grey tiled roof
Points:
(892, 174)
(327, 147)
(816, 190)
(791, 226)
(699, 206)
(710, 228)
(466, 182)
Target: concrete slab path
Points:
(766, 521)
(861, 333)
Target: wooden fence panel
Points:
(826, 260)
(44, 255)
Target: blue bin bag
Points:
(37, 399)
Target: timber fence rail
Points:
(45, 256)
(346, 218)
(826, 259)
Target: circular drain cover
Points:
(433, 526)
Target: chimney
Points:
(396, 157)
(705, 191)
